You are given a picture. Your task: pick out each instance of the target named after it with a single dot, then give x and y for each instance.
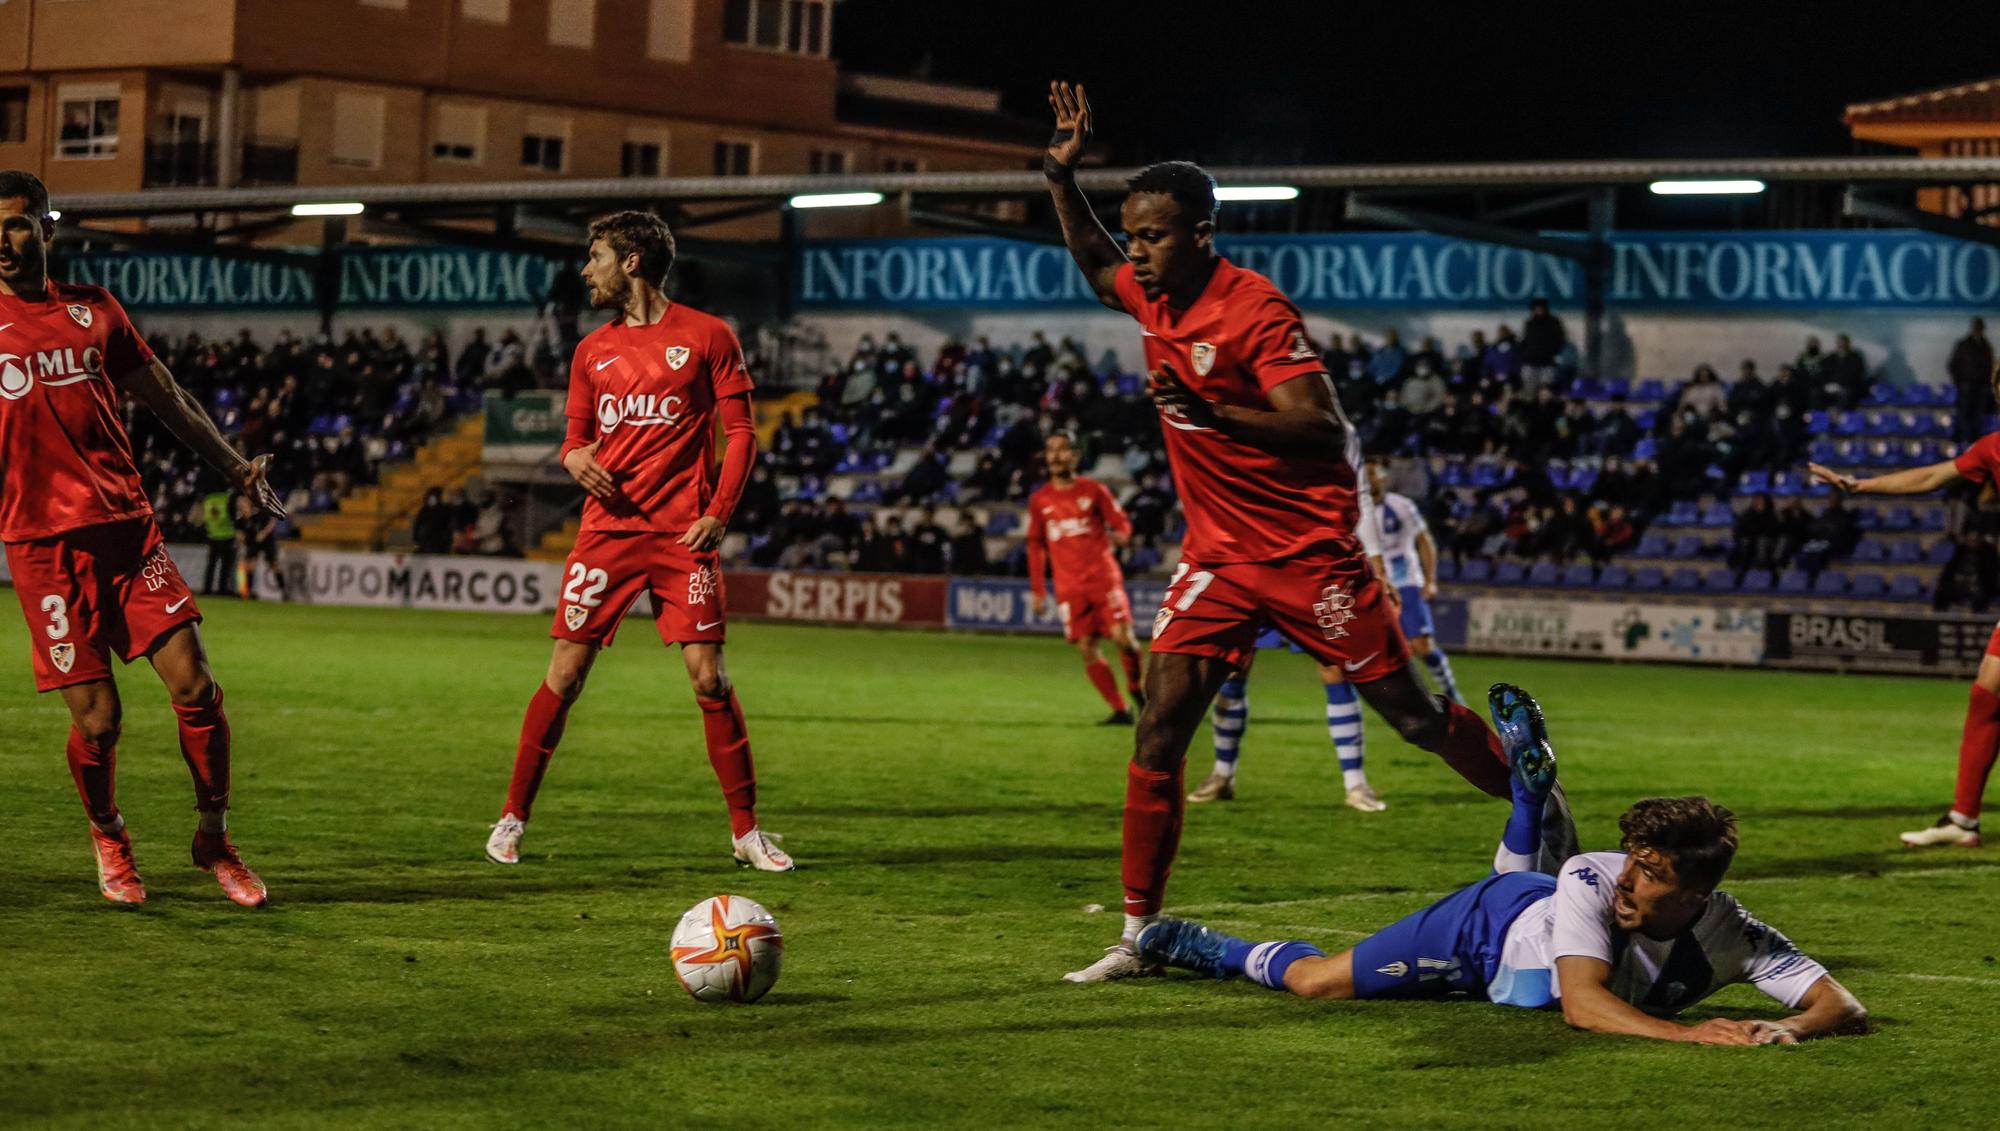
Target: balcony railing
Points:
(191, 164)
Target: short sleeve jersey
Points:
(1980, 463)
(1075, 523)
(1401, 522)
(649, 394)
(1240, 339)
(65, 458)
(1660, 976)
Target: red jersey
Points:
(1980, 463)
(650, 393)
(1240, 339)
(1071, 526)
(65, 460)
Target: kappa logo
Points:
(1586, 875)
(677, 356)
(701, 586)
(62, 656)
(574, 616)
(53, 368)
(1203, 356)
(81, 313)
(1394, 969)
(639, 410)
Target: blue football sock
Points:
(1440, 666)
(1266, 963)
(1231, 718)
(1343, 725)
(1523, 836)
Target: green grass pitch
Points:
(955, 810)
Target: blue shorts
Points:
(1416, 613)
(1451, 946)
(1272, 638)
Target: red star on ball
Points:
(732, 944)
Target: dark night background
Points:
(1342, 82)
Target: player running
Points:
(1263, 463)
(1073, 523)
(645, 392)
(1624, 941)
(89, 563)
(1979, 742)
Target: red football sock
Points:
(1106, 683)
(1471, 748)
(1133, 673)
(205, 748)
(1976, 750)
(1153, 804)
(541, 729)
(729, 753)
(95, 769)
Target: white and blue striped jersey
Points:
(1660, 976)
(1400, 522)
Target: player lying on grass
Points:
(1979, 741)
(1622, 940)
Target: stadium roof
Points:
(1966, 102)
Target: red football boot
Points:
(214, 853)
(117, 876)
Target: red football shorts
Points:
(1094, 612)
(608, 570)
(1327, 603)
(88, 593)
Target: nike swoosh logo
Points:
(1360, 663)
(5, 326)
(176, 606)
(605, 362)
(706, 627)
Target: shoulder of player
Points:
(1596, 871)
(702, 322)
(1249, 290)
(87, 293)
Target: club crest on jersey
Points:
(1203, 356)
(62, 656)
(574, 616)
(81, 313)
(677, 356)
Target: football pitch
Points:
(955, 811)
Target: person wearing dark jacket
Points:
(968, 547)
(1971, 368)
(433, 528)
(1542, 338)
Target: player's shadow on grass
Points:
(1026, 808)
(1080, 722)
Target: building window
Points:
(357, 128)
(544, 146)
(89, 117)
(489, 11)
(901, 165)
(572, 23)
(13, 114)
(670, 31)
(639, 159)
(460, 134)
(799, 27)
(827, 161)
(398, 5)
(734, 159)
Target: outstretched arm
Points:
(1095, 252)
(1827, 1010)
(1589, 1004)
(153, 385)
(1304, 422)
(1909, 481)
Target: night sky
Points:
(1339, 81)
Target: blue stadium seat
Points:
(1447, 569)
(1614, 577)
(1885, 424)
(1871, 550)
(1687, 546)
(1653, 545)
(1756, 581)
(1932, 519)
(839, 433)
(1682, 512)
(1647, 448)
(1851, 451)
(1616, 387)
(1830, 583)
(1851, 424)
(1002, 524)
(1510, 573)
(1868, 518)
(1684, 581)
(1899, 518)
(1906, 551)
(1650, 390)
(1578, 575)
(1719, 579)
(1453, 474)
(1906, 587)
(1646, 419)
(1544, 573)
(1818, 422)
(1870, 586)
(1756, 482)
(1477, 571)
(1914, 396)
(1938, 425)
(1786, 484)
(1940, 552)
(1794, 581)
(1649, 577)
(1143, 559)
(1719, 514)
(1884, 453)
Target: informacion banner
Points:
(1002, 604)
(1877, 643)
(376, 277)
(1890, 268)
(836, 598)
(1615, 630)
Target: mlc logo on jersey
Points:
(1203, 356)
(81, 313)
(639, 410)
(677, 356)
(54, 368)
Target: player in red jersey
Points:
(89, 564)
(1072, 524)
(646, 391)
(1979, 742)
(1264, 464)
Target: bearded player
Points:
(645, 393)
(1263, 462)
(1979, 741)
(89, 563)
(1073, 523)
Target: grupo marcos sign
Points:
(420, 581)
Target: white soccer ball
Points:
(727, 949)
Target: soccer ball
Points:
(727, 949)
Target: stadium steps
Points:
(555, 544)
(369, 516)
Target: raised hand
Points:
(1072, 134)
(582, 465)
(257, 486)
(1847, 484)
